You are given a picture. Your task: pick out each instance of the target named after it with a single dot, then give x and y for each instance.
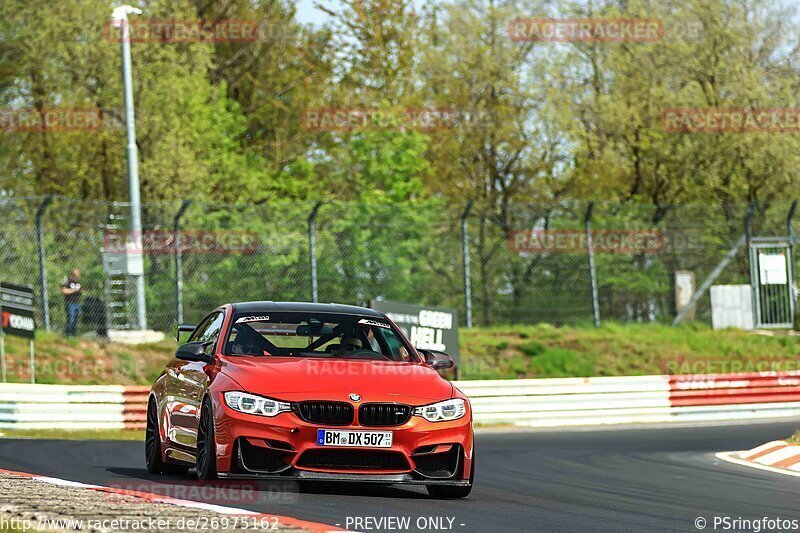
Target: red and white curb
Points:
(315, 527)
(777, 456)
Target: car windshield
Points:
(322, 335)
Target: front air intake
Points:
(383, 414)
(327, 413)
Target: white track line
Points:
(732, 457)
(787, 452)
(762, 448)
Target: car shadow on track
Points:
(139, 479)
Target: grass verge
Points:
(498, 352)
(85, 361)
(545, 351)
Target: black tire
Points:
(206, 444)
(152, 441)
(152, 446)
(451, 492)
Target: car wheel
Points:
(152, 441)
(152, 446)
(206, 445)
(444, 491)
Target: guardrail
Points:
(635, 399)
(25, 406)
(524, 402)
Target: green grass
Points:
(794, 439)
(541, 351)
(499, 352)
(84, 361)
(75, 434)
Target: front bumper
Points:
(285, 447)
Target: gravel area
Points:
(33, 505)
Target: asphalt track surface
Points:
(632, 479)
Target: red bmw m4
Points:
(270, 390)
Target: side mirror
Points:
(184, 331)
(194, 351)
(437, 360)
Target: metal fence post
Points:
(42, 261)
(465, 256)
(176, 241)
(748, 235)
(790, 231)
(312, 250)
(592, 271)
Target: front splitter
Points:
(386, 479)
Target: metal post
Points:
(790, 231)
(312, 250)
(42, 262)
(592, 271)
(465, 256)
(33, 367)
(176, 241)
(2, 347)
(748, 235)
(120, 17)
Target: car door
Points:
(189, 381)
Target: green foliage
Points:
(533, 121)
(531, 348)
(538, 129)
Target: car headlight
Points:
(255, 405)
(442, 411)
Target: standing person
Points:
(72, 289)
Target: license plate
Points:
(361, 439)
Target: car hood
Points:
(296, 379)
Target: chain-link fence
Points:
(570, 262)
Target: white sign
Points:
(427, 338)
(772, 269)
